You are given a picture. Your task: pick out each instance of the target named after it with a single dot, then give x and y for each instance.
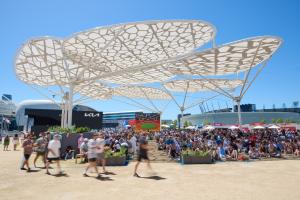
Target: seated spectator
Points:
(69, 153)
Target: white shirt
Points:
(92, 147)
(54, 145)
(100, 145)
(133, 143)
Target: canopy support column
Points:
(70, 106)
(238, 103)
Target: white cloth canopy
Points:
(258, 127)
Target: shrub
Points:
(194, 153)
(68, 130)
(109, 153)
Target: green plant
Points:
(59, 129)
(109, 153)
(279, 120)
(190, 152)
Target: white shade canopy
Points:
(230, 58)
(141, 92)
(105, 52)
(94, 90)
(197, 85)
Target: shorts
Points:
(40, 153)
(100, 156)
(27, 156)
(53, 159)
(143, 155)
(92, 159)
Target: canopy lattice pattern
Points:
(141, 92)
(99, 52)
(200, 85)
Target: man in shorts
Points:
(40, 144)
(92, 155)
(54, 153)
(143, 153)
(28, 146)
(100, 151)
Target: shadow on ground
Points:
(157, 178)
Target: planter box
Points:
(115, 161)
(187, 159)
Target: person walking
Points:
(41, 144)
(92, 155)
(100, 151)
(6, 143)
(54, 154)
(142, 154)
(28, 147)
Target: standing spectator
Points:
(80, 141)
(6, 143)
(133, 143)
(16, 141)
(54, 153)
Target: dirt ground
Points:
(232, 180)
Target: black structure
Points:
(246, 108)
(45, 118)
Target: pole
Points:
(70, 106)
(62, 115)
(238, 102)
(181, 118)
(160, 120)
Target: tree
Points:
(185, 124)
(175, 123)
(279, 120)
(190, 123)
(263, 121)
(273, 121)
(206, 122)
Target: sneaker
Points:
(28, 170)
(136, 175)
(99, 176)
(48, 173)
(85, 175)
(23, 168)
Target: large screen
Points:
(147, 122)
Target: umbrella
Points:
(258, 127)
(233, 127)
(209, 127)
(274, 127)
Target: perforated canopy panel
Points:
(141, 92)
(229, 58)
(94, 90)
(109, 50)
(197, 85)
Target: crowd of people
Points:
(92, 149)
(226, 144)
(221, 144)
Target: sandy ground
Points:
(234, 180)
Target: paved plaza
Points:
(230, 180)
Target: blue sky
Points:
(234, 20)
